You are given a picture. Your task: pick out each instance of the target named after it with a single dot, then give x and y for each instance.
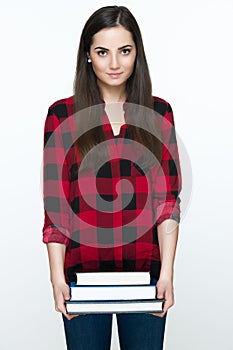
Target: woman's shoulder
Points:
(161, 106)
(62, 108)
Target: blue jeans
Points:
(137, 331)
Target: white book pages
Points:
(113, 278)
(113, 292)
(118, 306)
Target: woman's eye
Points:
(125, 51)
(102, 53)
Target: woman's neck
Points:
(113, 94)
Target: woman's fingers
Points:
(164, 291)
(61, 294)
(157, 314)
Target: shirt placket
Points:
(115, 155)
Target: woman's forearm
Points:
(56, 254)
(167, 237)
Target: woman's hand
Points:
(61, 290)
(165, 291)
(61, 293)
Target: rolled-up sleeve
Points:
(166, 177)
(56, 183)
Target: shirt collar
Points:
(108, 128)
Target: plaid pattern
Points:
(107, 218)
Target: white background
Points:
(189, 51)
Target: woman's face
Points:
(113, 54)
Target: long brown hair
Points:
(138, 86)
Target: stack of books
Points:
(113, 292)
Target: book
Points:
(112, 278)
(124, 292)
(114, 306)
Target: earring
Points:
(89, 60)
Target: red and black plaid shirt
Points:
(106, 224)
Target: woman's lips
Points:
(114, 75)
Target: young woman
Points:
(112, 102)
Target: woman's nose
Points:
(114, 63)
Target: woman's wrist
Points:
(57, 276)
(166, 274)
(57, 279)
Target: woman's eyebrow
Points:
(104, 48)
(123, 47)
